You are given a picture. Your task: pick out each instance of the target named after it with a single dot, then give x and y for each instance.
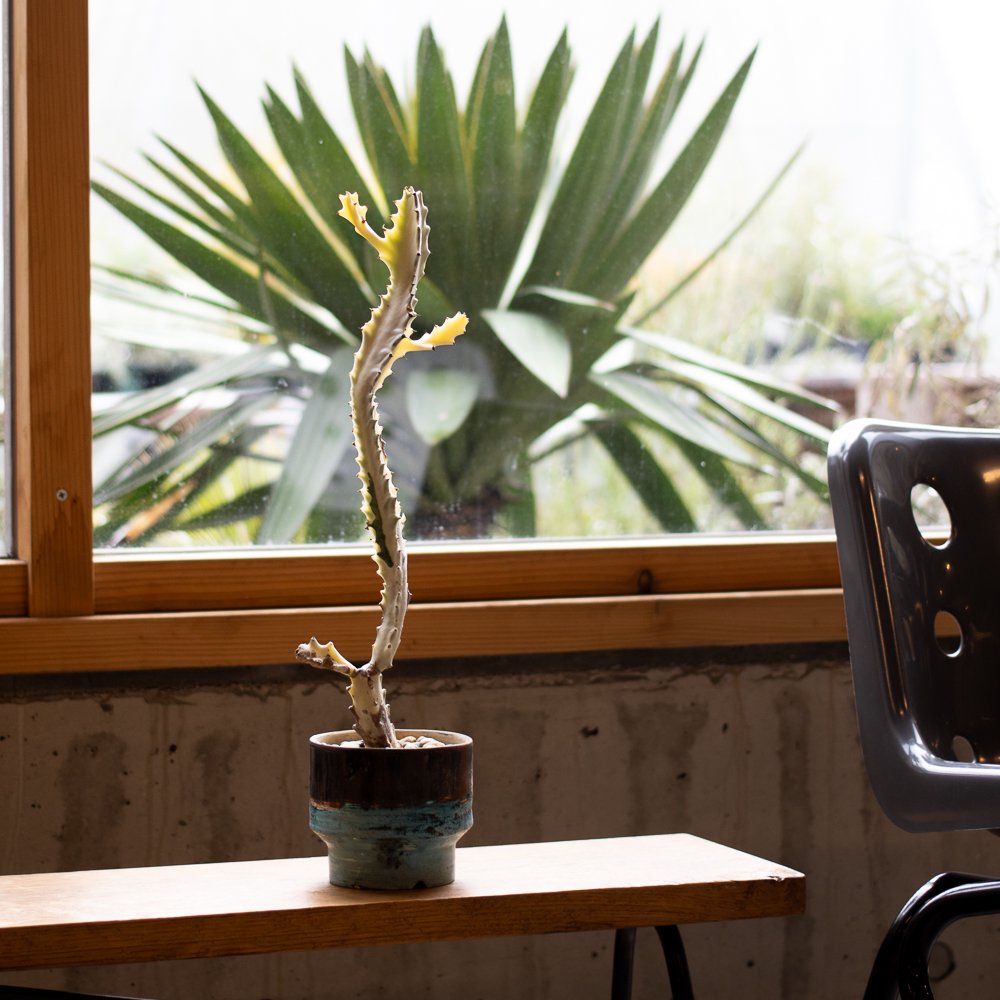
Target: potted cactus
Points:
(389, 805)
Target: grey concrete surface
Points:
(757, 750)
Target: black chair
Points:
(923, 623)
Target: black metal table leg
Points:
(624, 960)
(673, 953)
(677, 964)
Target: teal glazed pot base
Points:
(403, 848)
(391, 819)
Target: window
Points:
(68, 608)
(553, 416)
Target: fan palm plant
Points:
(543, 258)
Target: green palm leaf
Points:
(619, 260)
(439, 400)
(491, 116)
(645, 398)
(637, 163)
(537, 342)
(714, 385)
(212, 267)
(653, 486)
(698, 356)
(724, 485)
(288, 232)
(328, 158)
(321, 441)
(185, 446)
(736, 421)
(707, 260)
(539, 129)
(223, 371)
(224, 229)
(586, 176)
(379, 116)
(242, 212)
(442, 169)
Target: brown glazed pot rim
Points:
(333, 741)
(340, 775)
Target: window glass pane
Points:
(662, 316)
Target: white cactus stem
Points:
(387, 336)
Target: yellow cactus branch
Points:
(325, 655)
(442, 335)
(357, 214)
(385, 338)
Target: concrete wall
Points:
(757, 750)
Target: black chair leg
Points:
(976, 896)
(884, 979)
(673, 953)
(884, 982)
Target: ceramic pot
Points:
(391, 819)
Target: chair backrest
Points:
(923, 697)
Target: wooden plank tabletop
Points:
(251, 907)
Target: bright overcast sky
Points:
(896, 97)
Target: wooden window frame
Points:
(66, 608)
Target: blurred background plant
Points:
(931, 362)
(882, 327)
(253, 444)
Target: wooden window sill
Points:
(165, 610)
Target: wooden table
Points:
(252, 907)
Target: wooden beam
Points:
(134, 582)
(13, 588)
(269, 636)
(50, 185)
